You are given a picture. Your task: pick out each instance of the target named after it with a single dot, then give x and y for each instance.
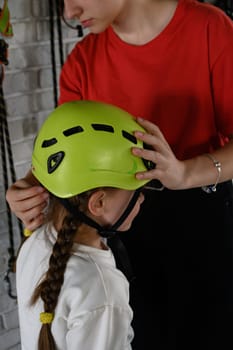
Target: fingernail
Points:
(136, 150)
(139, 133)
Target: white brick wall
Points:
(28, 91)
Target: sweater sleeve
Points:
(105, 328)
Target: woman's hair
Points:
(49, 288)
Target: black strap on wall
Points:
(55, 7)
(59, 31)
(5, 144)
(7, 158)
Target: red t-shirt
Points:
(182, 80)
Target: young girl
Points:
(70, 293)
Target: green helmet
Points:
(83, 145)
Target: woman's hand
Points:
(168, 169)
(27, 202)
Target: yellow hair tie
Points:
(46, 317)
(27, 232)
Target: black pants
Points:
(181, 249)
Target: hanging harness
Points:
(5, 31)
(5, 25)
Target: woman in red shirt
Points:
(170, 63)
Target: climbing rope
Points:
(59, 31)
(52, 48)
(55, 11)
(6, 151)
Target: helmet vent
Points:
(54, 161)
(102, 127)
(48, 143)
(129, 137)
(72, 131)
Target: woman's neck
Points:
(141, 21)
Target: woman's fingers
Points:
(32, 213)
(168, 169)
(22, 199)
(151, 128)
(27, 202)
(34, 223)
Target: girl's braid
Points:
(51, 286)
(49, 289)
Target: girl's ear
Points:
(97, 202)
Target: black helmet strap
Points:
(127, 210)
(114, 241)
(106, 232)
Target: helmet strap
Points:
(127, 210)
(114, 241)
(105, 232)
